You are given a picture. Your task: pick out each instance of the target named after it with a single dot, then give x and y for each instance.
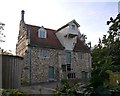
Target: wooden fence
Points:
(11, 71)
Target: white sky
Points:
(92, 16)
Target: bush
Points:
(24, 83)
(11, 92)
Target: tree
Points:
(77, 89)
(106, 59)
(1, 34)
(6, 52)
(1, 40)
(114, 39)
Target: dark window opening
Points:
(63, 68)
(71, 75)
(68, 67)
(73, 27)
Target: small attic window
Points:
(73, 27)
(42, 32)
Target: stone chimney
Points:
(22, 15)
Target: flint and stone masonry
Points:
(52, 55)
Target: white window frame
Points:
(44, 53)
(42, 33)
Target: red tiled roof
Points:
(80, 46)
(50, 42)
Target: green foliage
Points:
(12, 92)
(113, 42)
(106, 59)
(24, 83)
(65, 86)
(57, 91)
(76, 90)
(1, 33)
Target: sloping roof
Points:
(68, 25)
(50, 42)
(81, 46)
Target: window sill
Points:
(51, 79)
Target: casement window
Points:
(84, 75)
(62, 60)
(68, 57)
(63, 68)
(71, 75)
(68, 67)
(51, 72)
(68, 61)
(81, 55)
(43, 53)
(42, 33)
(84, 56)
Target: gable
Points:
(68, 24)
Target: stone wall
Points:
(40, 65)
(22, 46)
(79, 64)
(23, 39)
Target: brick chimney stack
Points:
(22, 15)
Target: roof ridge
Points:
(40, 27)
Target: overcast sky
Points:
(91, 16)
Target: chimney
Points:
(22, 15)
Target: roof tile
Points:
(52, 41)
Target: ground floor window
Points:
(68, 67)
(63, 68)
(84, 75)
(71, 75)
(43, 53)
(51, 72)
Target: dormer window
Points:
(42, 33)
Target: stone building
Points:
(50, 55)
